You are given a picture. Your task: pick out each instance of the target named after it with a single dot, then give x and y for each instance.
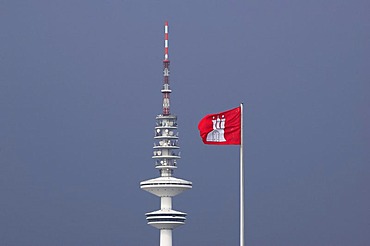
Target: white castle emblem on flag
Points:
(217, 135)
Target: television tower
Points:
(166, 153)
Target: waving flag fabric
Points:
(221, 128)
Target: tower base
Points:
(166, 237)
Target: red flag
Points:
(221, 128)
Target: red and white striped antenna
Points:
(166, 40)
(166, 73)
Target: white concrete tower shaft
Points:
(166, 154)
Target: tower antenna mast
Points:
(166, 91)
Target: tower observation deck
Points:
(165, 155)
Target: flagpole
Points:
(241, 179)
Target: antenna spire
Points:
(166, 73)
(166, 40)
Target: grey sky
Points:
(80, 88)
